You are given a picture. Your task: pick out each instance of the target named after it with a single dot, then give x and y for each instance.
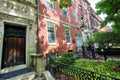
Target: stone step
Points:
(22, 74)
(26, 76)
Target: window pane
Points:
(49, 4)
(72, 1)
(51, 32)
(74, 15)
(80, 7)
(64, 11)
(67, 31)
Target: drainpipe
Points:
(38, 27)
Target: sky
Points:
(93, 2)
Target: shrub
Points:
(109, 67)
(66, 58)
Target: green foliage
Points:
(90, 41)
(66, 58)
(63, 3)
(102, 67)
(112, 9)
(104, 38)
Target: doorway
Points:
(14, 50)
(79, 43)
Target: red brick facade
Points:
(56, 16)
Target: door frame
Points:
(78, 35)
(15, 36)
(5, 70)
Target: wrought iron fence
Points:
(66, 72)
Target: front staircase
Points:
(22, 74)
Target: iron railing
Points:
(66, 72)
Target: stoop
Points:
(22, 74)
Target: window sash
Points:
(64, 11)
(73, 1)
(80, 7)
(67, 32)
(51, 32)
(49, 4)
(74, 15)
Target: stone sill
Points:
(36, 55)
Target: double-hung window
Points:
(74, 15)
(51, 32)
(83, 1)
(64, 11)
(73, 1)
(49, 4)
(67, 32)
(80, 7)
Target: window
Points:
(74, 15)
(49, 4)
(73, 1)
(83, 0)
(67, 32)
(64, 11)
(85, 12)
(80, 7)
(81, 18)
(86, 23)
(95, 22)
(51, 32)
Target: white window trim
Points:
(54, 32)
(49, 7)
(69, 34)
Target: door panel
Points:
(79, 43)
(13, 47)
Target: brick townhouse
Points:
(60, 30)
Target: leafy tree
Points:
(112, 9)
(104, 38)
(63, 3)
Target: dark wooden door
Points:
(13, 46)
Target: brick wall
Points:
(56, 16)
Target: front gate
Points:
(13, 46)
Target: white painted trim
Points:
(66, 25)
(69, 34)
(52, 44)
(54, 33)
(49, 20)
(69, 43)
